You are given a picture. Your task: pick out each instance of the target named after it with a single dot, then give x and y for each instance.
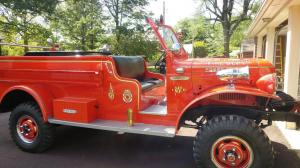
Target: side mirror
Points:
(176, 47)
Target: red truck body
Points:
(119, 94)
(57, 82)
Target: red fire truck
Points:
(225, 99)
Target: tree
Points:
(198, 28)
(80, 23)
(194, 29)
(230, 14)
(22, 17)
(33, 7)
(126, 14)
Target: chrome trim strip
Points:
(176, 78)
(119, 126)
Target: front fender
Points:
(226, 89)
(43, 97)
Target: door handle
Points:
(180, 70)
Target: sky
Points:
(175, 9)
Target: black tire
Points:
(232, 126)
(44, 134)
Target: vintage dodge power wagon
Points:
(225, 99)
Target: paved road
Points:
(86, 148)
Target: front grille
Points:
(232, 96)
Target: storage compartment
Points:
(75, 109)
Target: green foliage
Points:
(127, 15)
(200, 29)
(195, 28)
(215, 40)
(80, 24)
(129, 30)
(199, 49)
(239, 35)
(21, 19)
(32, 7)
(135, 44)
(229, 14)
(152, 69)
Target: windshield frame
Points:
(169, 37)
(160, 37)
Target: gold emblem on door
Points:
(111, 94)
(127, 96)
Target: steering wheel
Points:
(161, 63)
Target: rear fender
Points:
(43, 97)
(225, 89)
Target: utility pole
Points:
(164, 12)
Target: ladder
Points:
(279, 62)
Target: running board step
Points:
(155, 110)
(119, 126)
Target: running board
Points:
(119, 126)
(155, 110)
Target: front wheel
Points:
(28, 129)
(232, 141)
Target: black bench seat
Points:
(134, 67)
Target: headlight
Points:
(267, 83)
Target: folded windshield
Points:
(168, 36)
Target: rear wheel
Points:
(232, 141)
(28, 129)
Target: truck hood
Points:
(257, 73)
(226, 63)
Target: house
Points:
(276, 34)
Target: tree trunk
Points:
(26, 42)
(226, 39)
(83, 38)
(92, 46)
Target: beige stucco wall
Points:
(270, 44)
(258, 52)
(292, 61)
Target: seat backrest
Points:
(130, 66)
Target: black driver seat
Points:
(133, 67)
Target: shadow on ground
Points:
(285, 157)
(80, 148)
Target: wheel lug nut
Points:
(239, 157)
(224, 151)
(233, 149)
(224, 159)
